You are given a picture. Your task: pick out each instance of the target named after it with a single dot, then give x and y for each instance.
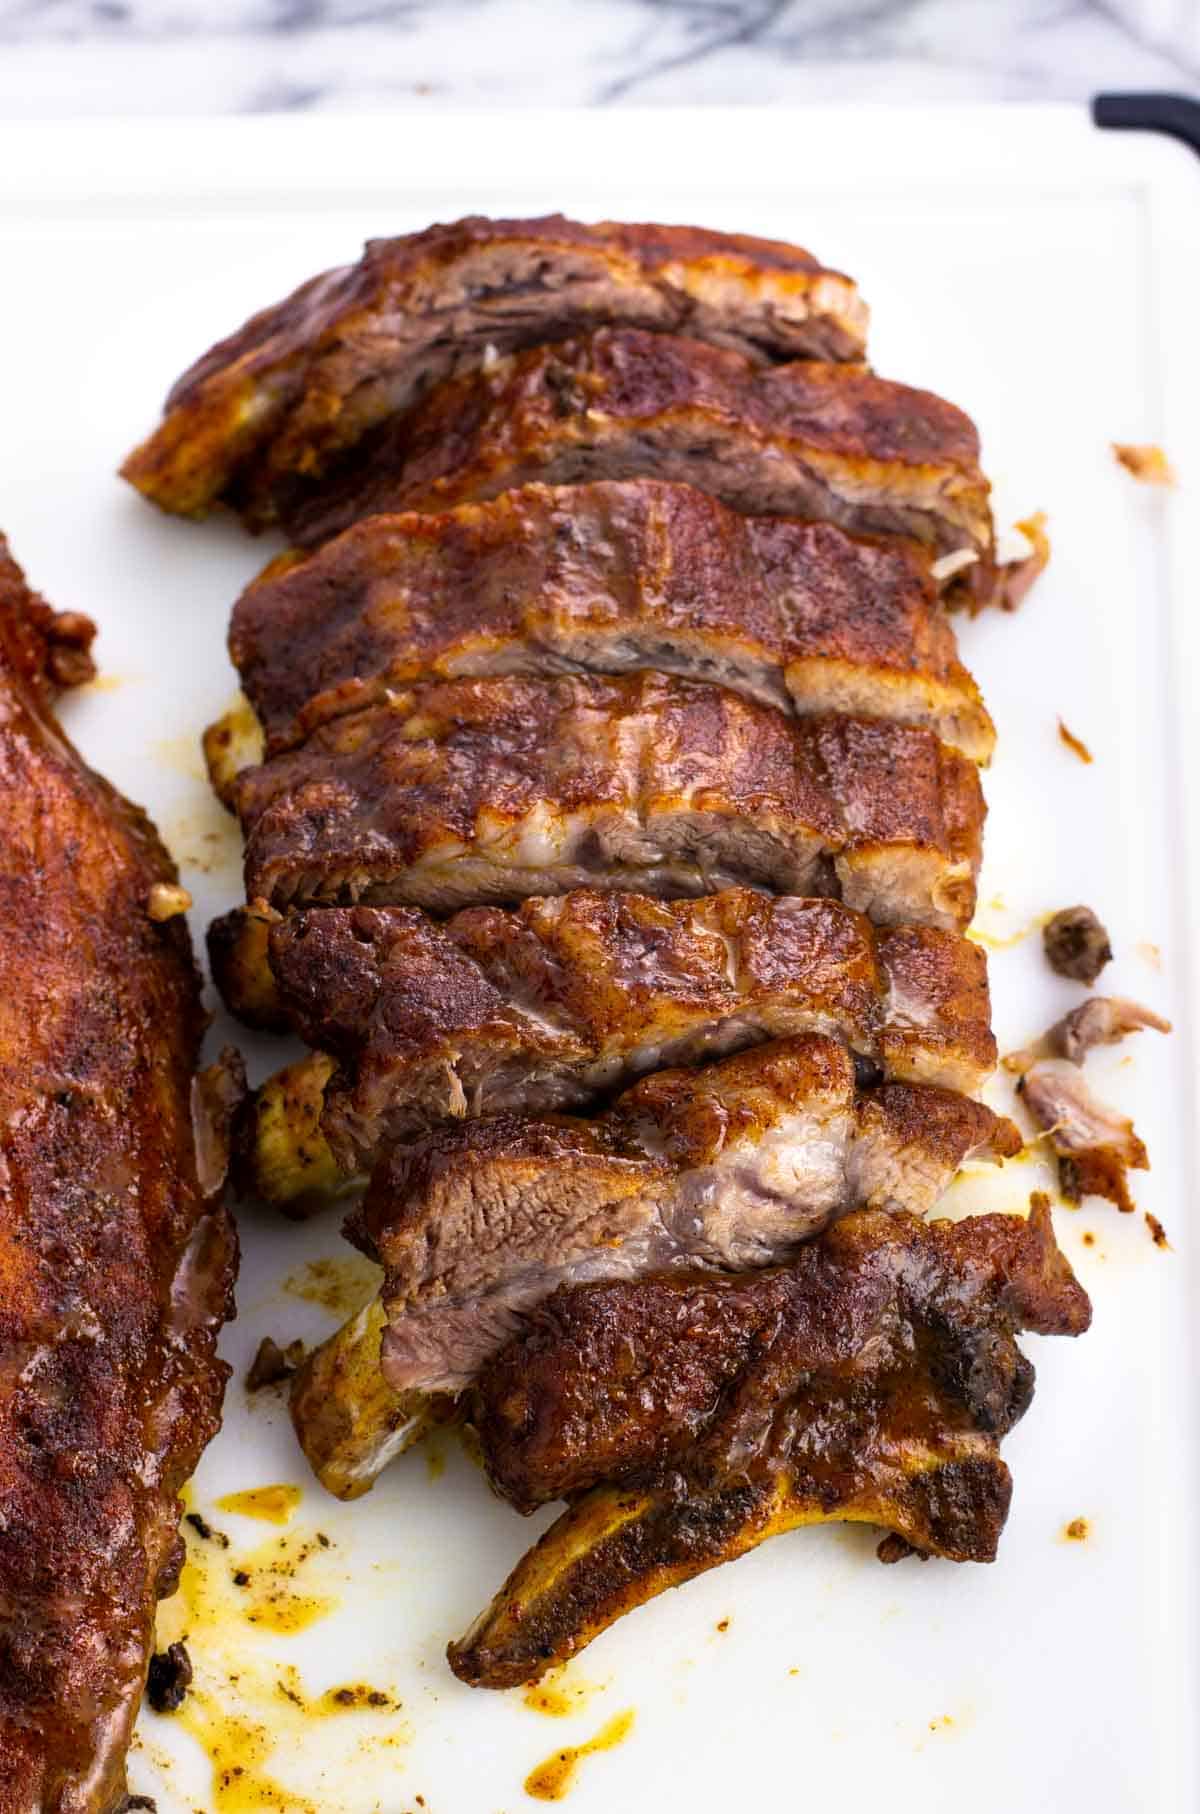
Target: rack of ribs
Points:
(872, 1380)
(834, 443)
(456, 792)
(730, 1166)
(116, 1253)
(605, 578)
(304, 381)
(562, 1001)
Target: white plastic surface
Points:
(1045, 277)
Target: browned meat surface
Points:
(1095, 1146)
(872, 1380)
(605, 578)
(458, 792)
(115, 1267)
(1076, 944)
(731, 1166)
(829, 442)
(575, 995)
(304, 380)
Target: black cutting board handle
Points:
(1178, 115)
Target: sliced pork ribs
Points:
(605, 578)
(729, 1166)
(833, 443)
(303, 382)
(456, 792)
(563, 1000)
(872, 1380)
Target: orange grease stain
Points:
(551, 1780)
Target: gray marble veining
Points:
(112, 57)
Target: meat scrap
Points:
(1077, 946)
(273, 1364)
(1095, 1145)
(1146, 462)
(1102, 1020)
(872, 1379)
(1017, 575)
(169, 1679)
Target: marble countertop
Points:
(64, 58)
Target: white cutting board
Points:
(1043, 276)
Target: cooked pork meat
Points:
(1017, 577)
(1095, 1146)
(464, 791)
(116, 1254)
(732, 1165)
(1076, 944)
(573, 996)
(305, 380)
(605, 578)
(872, 1380)
(829, 442)
(1102, 1020)
(350, 1422)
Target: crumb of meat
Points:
(1145, 461)
(1076, 944)
(166, 899)
(218, 1093)
(1094, 1145)
(1102, 1020)
(1075, 744)
(169, 1679)
(894, 1548)
(272, 1364)
(204, 1529)
(1158, 1233)
(68, 657)
(1030, 558)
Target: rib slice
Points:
(573, 996)
(306, 379)
(830, 442)
(732, 1165)
(116, 1253)
(605, 578)
(873, 1380)
(464, 791)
